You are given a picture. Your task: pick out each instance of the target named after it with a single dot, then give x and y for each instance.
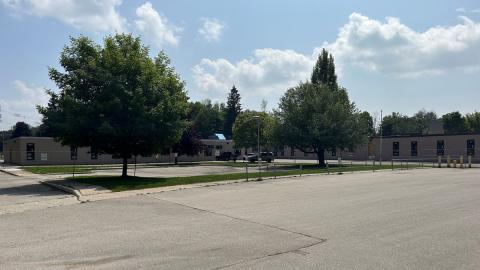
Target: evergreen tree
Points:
(232, 111)
(324, 71)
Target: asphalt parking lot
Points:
(418, 219)
(21, 190)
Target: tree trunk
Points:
(125, 167)
(321, 157)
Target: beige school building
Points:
(46, 151)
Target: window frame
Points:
(30, 151)
(395, 149)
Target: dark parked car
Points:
(226, 156)
(266, 156)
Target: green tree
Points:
(454, 123)
(21, 129)
(398, 124)
(313, 118)
(423, 120)
(207, 118)
(233, 109)
(245, 130)
(367, 121)
(324, 71)
(116, 98)
(473, 122)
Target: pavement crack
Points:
(297, 250)
(244, 220)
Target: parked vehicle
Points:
(265, 156)
(226, 156)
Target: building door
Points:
(471, 147)
(440, 148)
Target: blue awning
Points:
(220, 136)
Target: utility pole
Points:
(381, 135)
(258, 145)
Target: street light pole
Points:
(381, 135)
(258, 146)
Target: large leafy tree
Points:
(473, 122)
(454, 123)
(367, 121)
(21, 129)
(314, 118)
(398, 124)
(207, 118)
(233, 109)
(246, 127)
(423, 119)
(116, 98)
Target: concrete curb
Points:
(66, 189)
(9, 172)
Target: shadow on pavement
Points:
(36, 189)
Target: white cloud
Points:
(267, 72)
(464, 10)
(389, 48)
(393, 48)
(211, 29)
(91, 15)
(155, 27)
(23, 108)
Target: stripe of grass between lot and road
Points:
(117, 183)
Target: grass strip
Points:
(117, 183)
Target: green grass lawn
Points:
(57, 169)
(117, 183)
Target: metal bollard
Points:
(448, 161)
(274, 171)
(461, 162)
(454, 163)
(469, 161)
(301, 170)
(246, 169)
(439, 161)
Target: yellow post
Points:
(439, 161)
(448, 161)
(469, 161)
(454, 163)
(461, 162)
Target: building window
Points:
(440, 148)
(396, 149)
(292, 151)
(73, 153)
(414, 148)
(93, 153)
(471, 147)
(209, 150)
(30, 151)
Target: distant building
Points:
(46, 151)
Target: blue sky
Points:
(390, 55)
